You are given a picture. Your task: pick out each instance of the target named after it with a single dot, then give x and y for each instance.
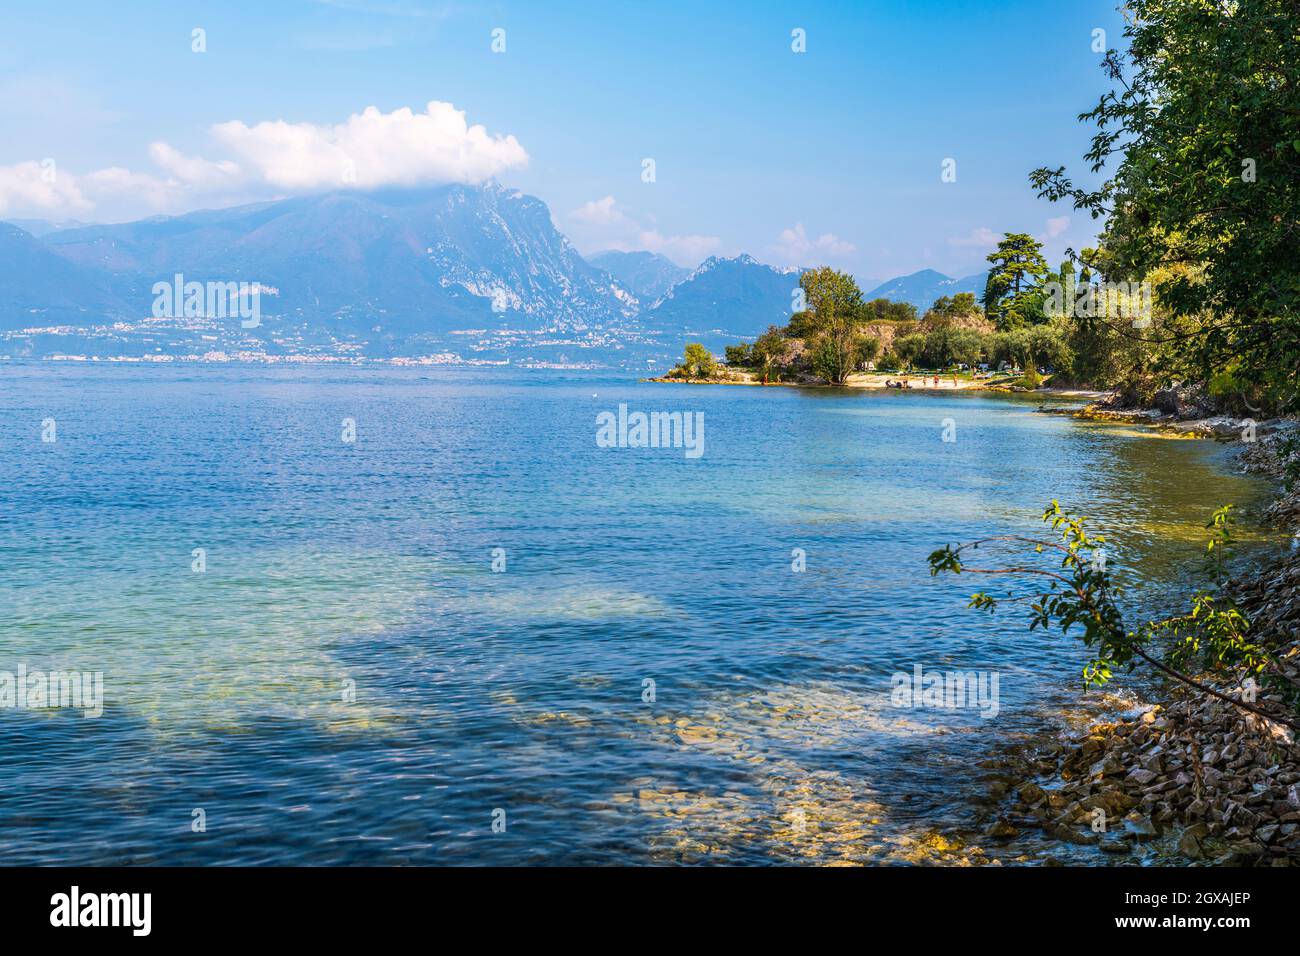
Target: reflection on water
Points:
(349, 681)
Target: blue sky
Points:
(833, 155)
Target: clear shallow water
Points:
(368, 565)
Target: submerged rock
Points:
(1001, 830)
(1139, 827)
(1031, 793)
(1189, 844)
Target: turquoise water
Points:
(349, 681)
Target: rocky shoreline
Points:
(1191, 779)
(1188, 780)
(1195, 425)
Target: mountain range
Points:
(479, 272)
(647, 275)
(40, 287)
(922, 288)
(425, 261)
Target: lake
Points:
(308, 656)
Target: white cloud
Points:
(683, 250)
(795, 248)
(1055, 226)
(116, 185)
(601, 212)
(371, 149)
(981, 238)
(193, 170)
(45, 190)
(601, 224)
(985, 238)
(39, 189)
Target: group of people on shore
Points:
(905, 383)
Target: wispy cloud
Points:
(345, 42)
(193, 170)
(41, 189)
(601, 213)
(981, 238)
(1055, 227)
(391, 8)
(985, 238)
(601, 224)
(795, 248)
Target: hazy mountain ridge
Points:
(647, 275)
(923, 287)
(420, 261)
(725, 299)
(40, 288)
(454, 268)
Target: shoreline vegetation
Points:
(1186, 314)
(1196, 775)
(1185, 777)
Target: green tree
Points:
(1031, 346)
(948, 344)
(1017, 266)
(963, 303)
(769, 352)
(994, 289)
(697, 361)
(802, 325)
(740, 356)
(832, 296)
(836, 342)
(1202, 136)
(885, 310)
(1013, 346)
(835, 357)
(1049, 345)
(908, 348)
